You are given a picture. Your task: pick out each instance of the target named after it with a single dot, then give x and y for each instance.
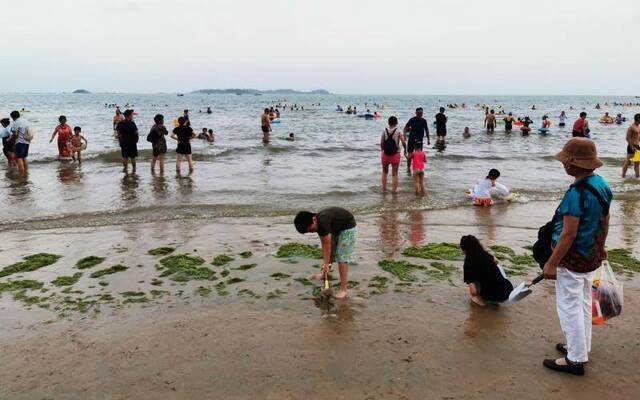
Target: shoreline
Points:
(422, 340)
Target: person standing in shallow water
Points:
(265, 124)
(441, 125)
(128, 138)
(390, 153)
(64, 137)
(158, 142)
(581, 126)
(581, 226)
(490, 121)
(417, 127)
(183, 135)
(116, 120)
(336, 228)
(633, 146)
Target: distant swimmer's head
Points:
(493, 174)
(393, 121)
(204, 130)
(14, 115)
(182, 121)
(606, 114)
(441, 109)
(77, 130)
(128, 114)
(291, 136)
(118, 112)
(210, 131)
(158, 119)
(510, 114)
(492, 112)
(636, 118)
(4, 122)
(62, 119)
(419, 112)
(305, 222)
(266, 111)
(544, 117)
(583, 115)
(185, 112)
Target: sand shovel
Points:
(523, 290)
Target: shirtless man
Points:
(490, 121)
(633, 145)
(265, 122)
(116, 120)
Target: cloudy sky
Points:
(345, 46)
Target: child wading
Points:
(482, 272)
(336, 228)
(76, 146)
(418, 160)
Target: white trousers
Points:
(573, 301)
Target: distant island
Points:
(258, 92)
(81, 91)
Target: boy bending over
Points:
(336, 228)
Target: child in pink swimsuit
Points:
(418, 160)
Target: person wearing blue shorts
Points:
(336, 228)
(21, 148)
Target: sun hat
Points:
(580, 152)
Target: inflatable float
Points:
(276, 121)
(543, 131)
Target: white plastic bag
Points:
(606, 295)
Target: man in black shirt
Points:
(441, 125)
(416, 127)
(128, 138)
(336, 228)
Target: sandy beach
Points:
(260, 335)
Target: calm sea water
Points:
(333, 161)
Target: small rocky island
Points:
(81, 91)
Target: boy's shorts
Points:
(21, 150)
(417, 172)
(343, 246)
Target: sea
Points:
(334, 159)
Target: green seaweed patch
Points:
(523, 259)
(224, 273)
(67, 280)
(246, 267)
(297, 249)
(183, 268)
(246, 254)
(516, 270)
(279, 276)
(108, 271)
(221, 260)
(304, 281)
(161, 251)
(379, 282)
(353, 284)
(80, 305)
(131, 294)
(275, 294)
(30, 263)
(248, 293)
(158, 293)
(89, 262)
(435, 251)
(203, 291)
(220, 289)
(400, 269)
(22, 296)
(234, 280)
(103, 283)
(503, 250)
(622, 260)
(156, 282)
(136, 300)
(106, 297)
(440, 271)
(290, 261)
(25, 284)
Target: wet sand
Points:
(425, 341)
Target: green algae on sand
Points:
(248, 293)
(435, 251)
(221, 260)
(183, 268)
(220, 289)
(89, 262)
(400, 269)
(279, 276)
(203, 291)
(297, 249)
(497, 249)
(622, 260)
(440, 271)
(161, 251)
(25, 284)
(30, 263)
(131, 294)
(304, 281)
(246, 267)
(234, 280)
(67, 280)
(246, 254)
(108, 271)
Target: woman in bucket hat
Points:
(580, 230)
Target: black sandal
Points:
(570, 368)
(562, 348)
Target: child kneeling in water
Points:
(336, 228)
(484, 188)
(482, 272)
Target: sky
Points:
(541, 47)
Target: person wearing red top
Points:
(64, 137)
(581, 126)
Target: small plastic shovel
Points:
(523, 290)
